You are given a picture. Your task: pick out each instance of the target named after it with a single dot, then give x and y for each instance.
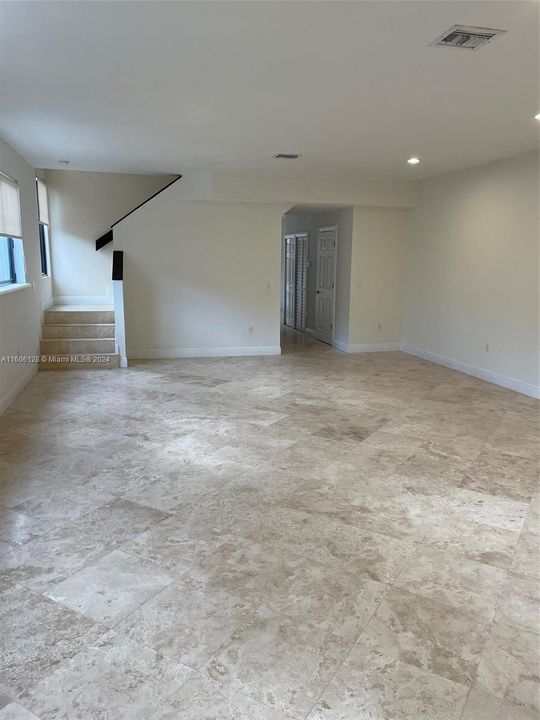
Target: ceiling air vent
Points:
(285, 156)
(466, 38)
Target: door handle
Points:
(317, 292)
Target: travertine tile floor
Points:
(317, 535)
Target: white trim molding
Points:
(82, 300)
(170, 353)
(13, 287)
(86, 299)
(477, 372)
(119, 322)
(10, 396)
(367, 347)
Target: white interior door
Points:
(290, 279)
(326, 272)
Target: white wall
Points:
(197, 275)
(21, 310)
(297, 190)
(83, 205)
(473, 272)
(377, 281)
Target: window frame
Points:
(44, 253)
(11, 260)
(44, 249)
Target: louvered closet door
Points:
(301, 281)
(290, 279)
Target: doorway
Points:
(326, 280)
(296, 271)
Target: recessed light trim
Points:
(286, 156)
(413, 161)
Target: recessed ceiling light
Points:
(285, 156)
(537, 116)
(413, 161)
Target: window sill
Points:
(5, 289)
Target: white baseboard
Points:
(367, 347)
(9, 397)
(167, 353)
(481, 373)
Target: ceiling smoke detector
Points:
(466, 38)
(285, 156)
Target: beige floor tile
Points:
(327, 540)
(519, 602)
(452, 581)
(373, 686)
(38, 635)
(40, 564)
(111, 588)
(14, 711)
(56, 506)
(473, 540)
(481, 705)
(17, 528)
(498, 473)
(437, 638)
(526, 558)
(283, 664)
(114, 677)
(187, 621)
(201, 698)
(510, 666)
(166, 546)
(330, 597)
(118, 521)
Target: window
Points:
(44, 248)
(10, 230)
(43, 211)
(7, 261)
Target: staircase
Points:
(77, 337)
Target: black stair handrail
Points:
(107, 237)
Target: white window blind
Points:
(43, 202)
(10, 209)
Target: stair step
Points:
(77, 346)
(83, 361)
(71, 332)
(78, 317)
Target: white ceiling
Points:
(352, 86)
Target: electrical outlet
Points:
(250, 330)
(379, 326)
(487, 347)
